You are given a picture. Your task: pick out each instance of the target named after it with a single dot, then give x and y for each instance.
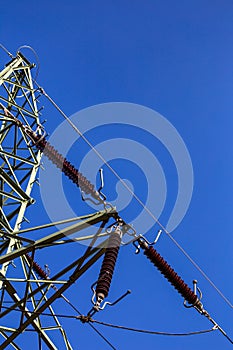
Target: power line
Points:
(153, 332)
(91, 325)
(136, 197)
(85, 319)
(6, 51)
(215, 327)
(41, 313)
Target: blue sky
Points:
(174, 57)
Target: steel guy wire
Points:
(6, 51)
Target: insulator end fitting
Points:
(99, 299)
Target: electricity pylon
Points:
(27, 292)
(24, 298)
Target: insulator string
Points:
(176, 281)
(37, 268)
(43, 274)
(64, 165)
(108, 265)
(138, 330)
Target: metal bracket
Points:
(196, 291)
(101, 173)
(101, 194)
(97, 304)
(137, 242)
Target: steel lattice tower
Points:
(20, 161)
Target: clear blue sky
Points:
(176, 58)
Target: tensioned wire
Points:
(135, 196)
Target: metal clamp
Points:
(97, 303)
(100, 194)
(197, 291)
(140, 239)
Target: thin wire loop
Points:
(138, 330)
(154, 332)
(36, 56)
